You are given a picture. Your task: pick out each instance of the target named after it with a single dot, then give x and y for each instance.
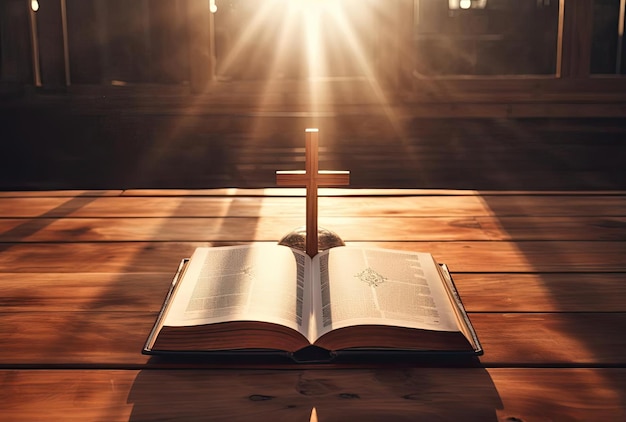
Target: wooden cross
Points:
(312, 178)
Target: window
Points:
(607, 47)
(485, 37)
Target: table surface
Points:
(84, 273)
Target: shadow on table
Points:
(390, 394)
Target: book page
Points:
(263, 282)
(378, 286)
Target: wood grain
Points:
(498, 394)
(461, 257)
(62, 292)
(59, 193)
(233, 229)
(474, 205)
(581, 338)
(83, 275)
(245, 229)
(343, 192)
(553, 292)
(106, 338)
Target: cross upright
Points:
(312, 178)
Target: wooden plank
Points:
(551, 338)
(462, 257)
(45, 207)
(232, 229)
(74, 338)
(244, 206)
(542, 292)
(144, 292)
(105, 339)
(249, 206)
(58, 193)
(274, 228)
(365, 394)
(31, 206)
(536, 257)
(554, 228)
(272, 192)
(138, 257)
(230, 192)
(554, 205)
(543, 394)
(62, 292)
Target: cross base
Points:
(326, 239)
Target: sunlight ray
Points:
(316, 59)
(314, 44)
(281, 56)
(247, 37)
(358, 51)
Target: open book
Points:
(267, 297)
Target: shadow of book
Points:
(398, 394)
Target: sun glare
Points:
(467, 4)
(312, 6)
(313, 14)
(323, 53)
(303, 22)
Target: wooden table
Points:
(542, 274)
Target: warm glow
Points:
(34, 4)
(311, 17)
(316, 45)
(466, 4)
(308, 6)
(303, 21)
(212, 6)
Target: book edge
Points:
(456, 297)
(446, 279)
(147, 349)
